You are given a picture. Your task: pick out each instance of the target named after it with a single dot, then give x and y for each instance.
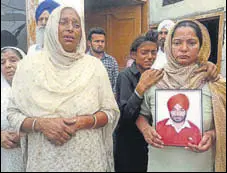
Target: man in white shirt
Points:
(163, 29)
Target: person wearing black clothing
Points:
(130, 152)
(130, 148)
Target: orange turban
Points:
(180, 99)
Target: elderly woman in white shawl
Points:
(63, 101)
(11, 153)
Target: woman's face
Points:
(9, 61)
(69, 30)
(185, 46)
(146, 55)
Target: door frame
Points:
(144, 21)
(145, 16)
(220, 16)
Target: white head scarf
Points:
(168, 24)
(60, 73)
(4, 83)
(57, 54)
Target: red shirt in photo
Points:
(173, 138)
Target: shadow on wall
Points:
(19, 39)
(8, 39)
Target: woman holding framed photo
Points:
(188, 47)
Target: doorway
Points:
(123, 21)
(215, 25)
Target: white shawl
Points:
(55, 83)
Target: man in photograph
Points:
(177, 130)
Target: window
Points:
(168, 2)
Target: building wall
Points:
(13, 16)
(78, 4)
(186, 9)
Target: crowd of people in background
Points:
(65, 109)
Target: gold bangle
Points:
(95, 121)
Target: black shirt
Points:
(130, 148)
(128, 102)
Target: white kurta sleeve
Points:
(15, 116)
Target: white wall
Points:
(186, 7)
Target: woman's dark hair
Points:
(96, 30)
(151, 36)
(4, 50)
(193, 25)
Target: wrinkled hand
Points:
(211, 71)
(82, 121)
(147, 79)
(152, 137)
(72, 123)
(55, 129)
(205, 144)
(9, 140)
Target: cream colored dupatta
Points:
(53, 83)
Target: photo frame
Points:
(179, 116)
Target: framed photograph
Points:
(178, 116)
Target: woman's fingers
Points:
(155, 134)
(9, 140)
(58, 130)
(155, 139)
(57, 139)
(9, 144)
(14, 138)
(69, 121)
(157, 145)
(155, 142)
(70, 129)
(203, 68)
(65, 136)
(203, 146)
